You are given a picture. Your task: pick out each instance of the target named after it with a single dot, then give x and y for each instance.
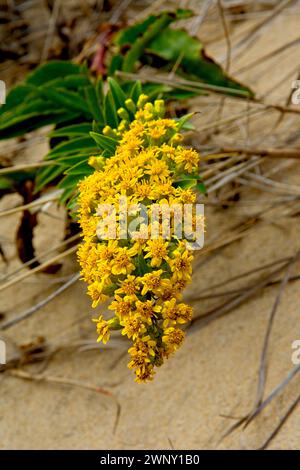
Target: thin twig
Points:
(263, 359)
(274, 433)
(21, 374)
(42, 200)
(228, 306)
(37, 269)
(263, 152)
(30, 311)
(28, 166)
(41, 255)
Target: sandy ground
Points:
(212, 380)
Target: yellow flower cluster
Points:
(143, 276)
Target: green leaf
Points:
(71, 82)
(46, 175)
(67, 194)
(135, 52)
(183, 122)
(93, 104)
(71, 160)
(22, 124)
(115, 64)
(81, 144)
(51, 70)
(71, 131)
(201, 188)
(110, 111)
(81, 168)
(99, 91)
(136, 91)
(6, 183)
(70, 181)
(15, 97)
(118, 94)
(141, 265)
(69, 100)
(129, 35)
(176, 45)
(153, 90)
(104, 142)
(154, 42)
(186, 183)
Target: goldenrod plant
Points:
(144, 276)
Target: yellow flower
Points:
(176, 313)
(164, 189)
(122, 263)
(147, 310)
(158, 170)
(133, 327)
(181, 265)
(186, 196)
(144, 190)
(169, 291)
(157, 251)
(102, 329)
(144, 374)
(129, 287)
(172, 339)
(95, 291)
(108, 251)
(188, 158)
(138, 361)
(144, 345)
(120, 306)
(153, 282)
(157, 132)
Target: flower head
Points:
(143, 278)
